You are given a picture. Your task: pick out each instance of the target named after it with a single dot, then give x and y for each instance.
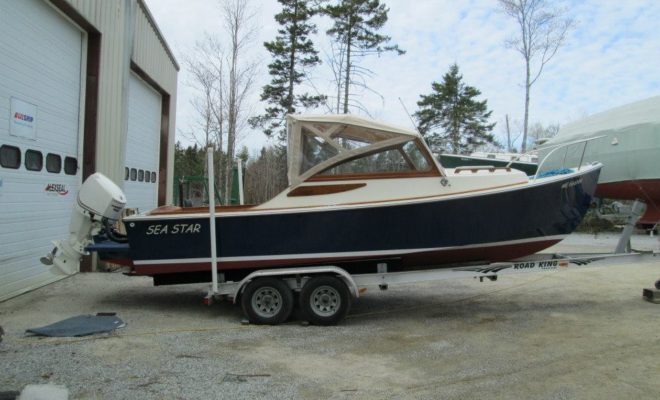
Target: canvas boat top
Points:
(318, 142)
(622, 119)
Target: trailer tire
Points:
(267, 301)
(324, 300)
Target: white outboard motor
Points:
(99, 201)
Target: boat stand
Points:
(636, 212)
(650, 294)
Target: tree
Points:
(244, 154)
(355, 27)
(265, 176)
(543, 30)
(188, 161)
(293, 52)
(237, 20)
(205, 66)
(451, 118)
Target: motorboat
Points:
(627, 142)
(359, 192)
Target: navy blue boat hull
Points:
(495, 226)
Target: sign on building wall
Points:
(22, 119)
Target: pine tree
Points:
(292, 51)
(188, 161)
(356, 23)
(450, 118)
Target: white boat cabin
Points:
(343, 159)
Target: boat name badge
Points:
(175, 229)
(572, 183)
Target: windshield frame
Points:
(432, 169)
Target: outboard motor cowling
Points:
(99, 202)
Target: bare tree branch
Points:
(543, 30)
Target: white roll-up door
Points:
(142, 145)
(40, 90)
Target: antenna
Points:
(444, 180)
(412, 121)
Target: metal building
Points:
(85, 86)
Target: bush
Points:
(593, 224)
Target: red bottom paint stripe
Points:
(409, 261)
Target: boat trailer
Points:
(326, 292)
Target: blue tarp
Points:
(81, 325)
(554, 172)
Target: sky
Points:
(610, 58)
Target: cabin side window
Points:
(321, 142)
(416, 156)
(403, 158)
(315, 150)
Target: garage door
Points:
(40, 84)
(142, 145)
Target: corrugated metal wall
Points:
(119, 21)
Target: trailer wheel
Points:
(324, 300)
(267, 301)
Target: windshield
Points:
(321, 142)
(406, 157)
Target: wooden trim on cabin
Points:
(169, 210)
(375, 175)
(318, 190)
(474, 169)
(164, 131)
